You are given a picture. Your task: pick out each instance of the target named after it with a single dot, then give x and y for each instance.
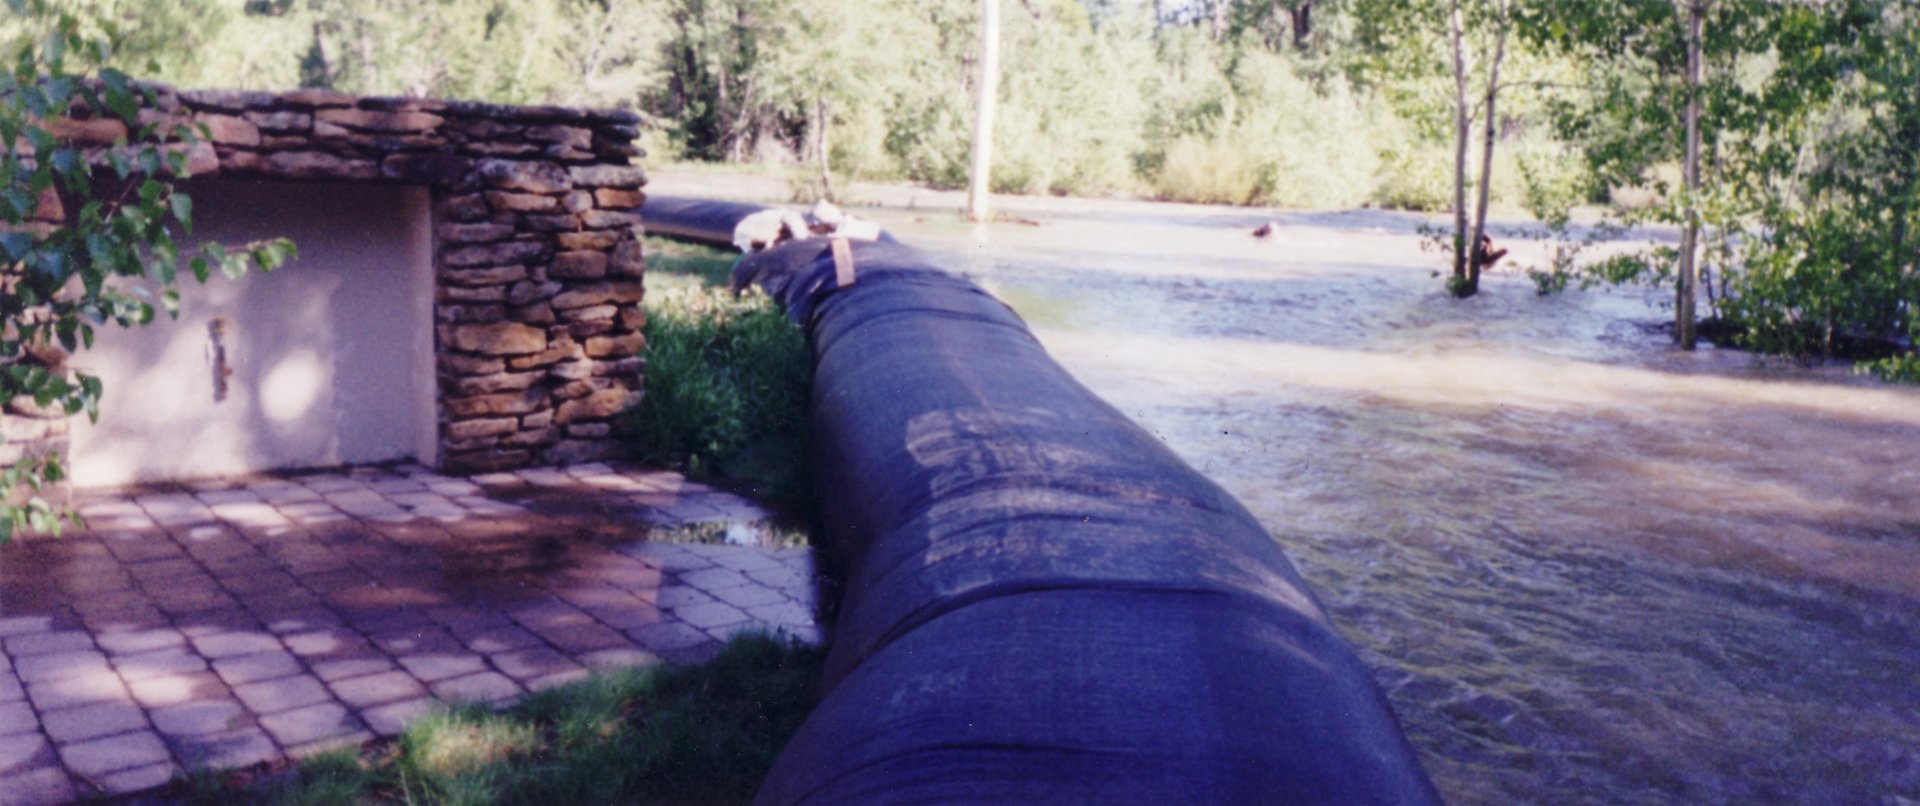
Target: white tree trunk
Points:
(1684, 293)
(1486, 153)
(989, 87)
(1462, 132)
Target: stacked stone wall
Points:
(537, 260)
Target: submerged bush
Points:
(726, 391)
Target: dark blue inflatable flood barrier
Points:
(1043, 604)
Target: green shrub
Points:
(726, 392)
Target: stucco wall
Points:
(331, 357)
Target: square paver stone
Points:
(137, 779)
(43, 786)
(202, 718)
(83, 722)
(376, 689)
(169, 662)
(17, 717)
(250, 668)
(487, 687)
(310, 724)
(284, 694)
(91, 687)
(59, 665)
(113, 753)
(391, 719)
(238, 748)
(49, 642)
(441, 666)
(229, 644)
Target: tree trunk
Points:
(1462, 132)
(979, 184)
(1302, 23)
(1486, 155)
(1683, 309)
(821, 121)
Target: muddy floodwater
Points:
(1583, 566)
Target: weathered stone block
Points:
(497, 254)
(629, 260)
(317, 97)
(465, 207)
(317, 165)
(380, 120)
(574, 390)
(502, 201)
(578, 201)
(622, 368)
(581, 331)
(618, 176)
(496, 276)
(532, 177)
(530, 292)
(461, 364)
(561, 135)
(539, 313)
(561, 222)
(621, 346)
(504, 338)
(490, 384)
(228, 100)
(486, 427)
(572, 370)
(458, 313)
(538, 419)
(597, 406)
(476, 290)
(592, 239)
(230, 131)
(617, 199)
(492, 148)
(561, 349)
(599, 294)
(609, 219)
(281, 122)
(578, 266)
(331, 131)
(427, 169)
(509, 403)
(633, 317)
(88, 132)
(455, 232)
(591, 313)
(532, 437)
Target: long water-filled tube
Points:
(1042, 602)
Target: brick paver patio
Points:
(230, 622)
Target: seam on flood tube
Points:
(950, 603)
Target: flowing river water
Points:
(1583, 566)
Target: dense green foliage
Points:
(665, 734)
(1811, 159)
(727, 380)
(85, 240)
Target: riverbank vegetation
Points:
(1796, 194)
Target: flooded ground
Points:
(1584, 567)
